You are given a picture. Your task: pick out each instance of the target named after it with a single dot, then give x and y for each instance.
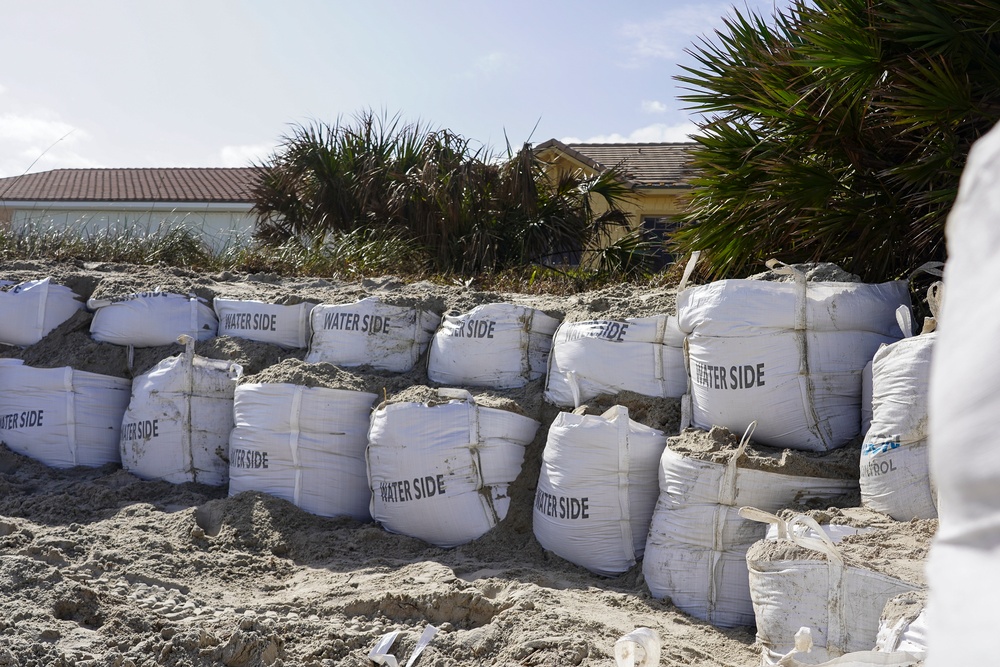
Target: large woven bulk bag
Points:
(285, 326)
(964, 566)
(370, 332)
(895, 477)
(788, 354)
(151, 319)
(440, 472)
(597, 488)
(60, 416)
(303, 444)
(497, 345)
(594, 357)
(801, 580)
(32, 309)
(178, 422)
(697, 543)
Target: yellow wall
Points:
(652, 202)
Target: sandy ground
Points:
(98, 567)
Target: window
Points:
(657, 230)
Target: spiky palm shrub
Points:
(470, 210)
(838, 131)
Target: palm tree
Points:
(837, 131)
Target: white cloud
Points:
(654, 106)
(39, 142)
(24, 129)
(666, 37)
(491, 62)
(3, 89)
(243, 156)
(658, 132)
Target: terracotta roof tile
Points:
(212, 185)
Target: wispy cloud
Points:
(41, 139)
(242, 156)
(654, 106)
(665, 37)
(658, 132)
(492, 62)
(3, 89)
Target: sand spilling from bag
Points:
(895, 548)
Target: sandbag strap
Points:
(688, 270)
(619, 415)
(661, 341)
(186, 445)
(526, 330)
(687, 407)
(70, 394)
(193, 315)
(42, 301)
(801, 328)
(293, 440)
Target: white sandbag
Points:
(799, 657)
(841, 604)
(30, 310)
(370, 332)
(285, 326)
(596, 489)
(594, 357)
(60, 416)
(964, 566)
(697, 543)
(150, 319)
(440, 472)
(179, 419)
(303, 444)
(789, 355)
(497, 345)
(895, 477)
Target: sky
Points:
(219, 83)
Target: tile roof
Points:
(647, 165)
(211, 185)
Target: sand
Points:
(98, 567)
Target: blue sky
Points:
(205, 83)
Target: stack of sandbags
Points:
(31, 309)
(597, 488)
(697, 544)
(151, 319)
(369, 332)
(61, 416)
(895, 476)
(801, 578)
(787, 354)
(285, 326)
(440, 472)
(303, 444)
(594, 357)
(179, 419)
(496, 345)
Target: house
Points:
(214, 202)
(659, 174)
